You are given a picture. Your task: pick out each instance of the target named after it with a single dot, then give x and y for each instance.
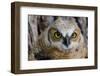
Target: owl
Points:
(62, 40)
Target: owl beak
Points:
(66, 41)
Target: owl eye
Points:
(74, 35)
(57, 35)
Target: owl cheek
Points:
(74, 44)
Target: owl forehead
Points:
(66, 28)
(66, 31)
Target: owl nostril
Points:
(66, 41)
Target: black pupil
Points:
(74, 34)
(58, 34)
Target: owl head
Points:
(63, 34)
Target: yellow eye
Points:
(74, 35)
(57, 35)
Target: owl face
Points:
(64, 34)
